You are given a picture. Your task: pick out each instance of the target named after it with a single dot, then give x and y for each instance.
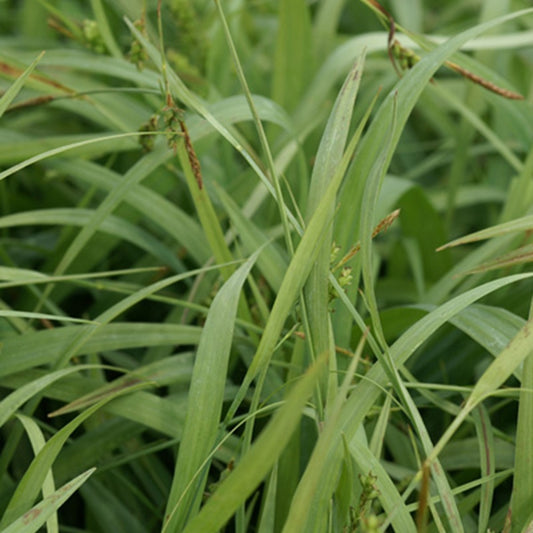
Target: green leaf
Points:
(37, 442)
(293, 58)
(389, 497)
(520, 256)
(325, 25)
(104, 28)
(85, 217)
(518, 350)
(35, 517)
(146, 409)
(151, 205)
(297, 272)
(520, 224)
(206, 395)
(503, 366)
(112, 312)
(259, 460)
(523, 467)
(318, 481)
(17, 85)
(485, 433)
(170, 370)
(31, 482)
(328, 159)
(42, 316)
(10, 404)
(206, 211)
(20, 353)
(112, 511)
(62, 149)
(422, 223)
(180, 90)
(408, 90)
(271, 262)
(268, 509)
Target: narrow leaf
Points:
(37, 441)
(17, 85)
(259, 460)
(33, 519)
(206, 395)
(521, 514)
(328, 158)
(318, 481)
(13, 401)
(32, 480)
(513, 226)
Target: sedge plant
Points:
(256, 278)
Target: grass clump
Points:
(252, 280)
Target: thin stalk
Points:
(260, 130)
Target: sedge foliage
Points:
(222, 307)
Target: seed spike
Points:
(407, 58)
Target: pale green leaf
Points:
(13, 401)
(258, 461)
(35, 517)
(34, 476)
(206, 395)
(37, 442)
(521, 224)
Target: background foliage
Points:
(221, 304)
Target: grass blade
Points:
(32, 480)
(408, 90)
(37, 442)
(110, 224)
(296, 275)
(485, 436)
(520, 224)
(389, 496)
(33, 519)
(259, 460)
(61, 150)
(17, 85)
(42, 316)
(104, 28)
(180, 90)
(293, 60)
(523, 467)
(205, 400)
(20, 354)
(518, 350)
(10, 404)
(328, 159)
(318, 481)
